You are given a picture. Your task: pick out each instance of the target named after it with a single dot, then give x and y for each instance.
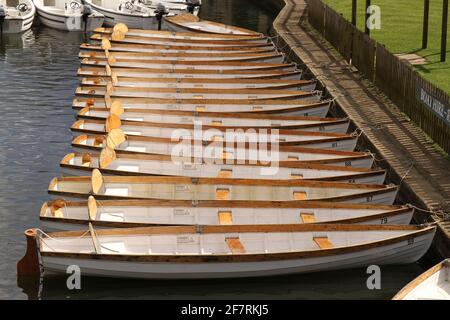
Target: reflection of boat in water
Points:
(16, 16)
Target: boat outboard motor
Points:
(192, 4)
(2, 18)
(160, 11)
(86, 12)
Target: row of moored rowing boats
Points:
(200, 155)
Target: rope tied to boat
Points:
(407, 171)
(41, 233)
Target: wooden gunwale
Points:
(97, 82)
(159, 157)
(227, 181)
(112, 224)
(418, 280)
(263, 130)
(169, 34)
(247, 257)
(259, 72)
(251, 102)
(121, 47)
(150, 40)
(351, 154)
(179, 19)
(207, 114)
(182, 54)
(80, 89)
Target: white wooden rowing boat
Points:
(196, 93)
(207, 83)
(174, 40)
(18, 15)
(195, 189)
(215, 119)
(231, 251)
(189, 22)
(230, 136)
(433, 284)
(192, 65)
(68, 15)
(138, 57)
(278, 107)
(67, 215)
(122, 31)
(269, 73)
(96, 46)
(138, 145)
(108, 162)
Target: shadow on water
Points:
(37, 83)
(347, 284)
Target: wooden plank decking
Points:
(399, 144)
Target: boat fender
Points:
(117, 36)
(108, 101)
(191, 5)
(29, 264)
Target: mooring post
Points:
(444, 31)
(426, 14)
(354, 8)
(367, 29)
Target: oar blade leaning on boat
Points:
(189, 252)
(179, 188)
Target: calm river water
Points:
(37, 83)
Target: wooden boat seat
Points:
(225, 173)
(225, 217)
(222, 194)
(323, 242)
(295, 175)
(307, 217)
(235, 245)
(300, 195)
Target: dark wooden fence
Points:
(427, 105)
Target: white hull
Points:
(167, 64)
(112, 17)
(285, 110)
(122, 92)
(57, 225)
(67, 22)
(19, 23)
(272, 85)
(433, 284)
(168, 168)
(397, 253)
